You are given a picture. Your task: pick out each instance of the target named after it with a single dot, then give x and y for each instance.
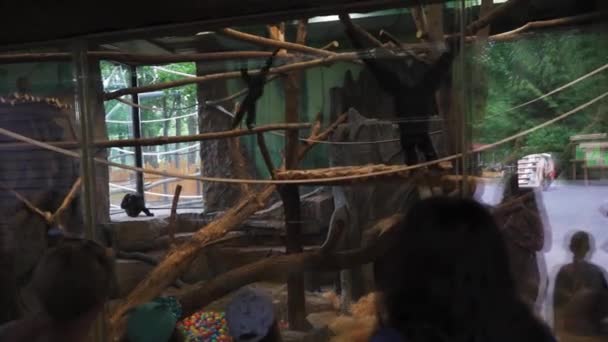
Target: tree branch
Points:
(266, 42)
(239, 167)
(173, 217)
(266, 155)
(238, 94)
(232, 74)
(345, 19)
(331, 57)
(493, 16)
(332, 45)
(310, 142)
(67, 200)
(45, 215)
(179, 259)
(204, 293)
(548, 23)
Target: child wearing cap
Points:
(154, 321)
(251, 318)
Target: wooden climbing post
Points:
(290, 194)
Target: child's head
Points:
(580, 244)
(250, 316)
(73, 279)
(154, 321)
(447, 268)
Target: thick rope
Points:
(152, 193)
(162, 153)
(557, 90)
(46, 146)
(386, 141)
(152, 120)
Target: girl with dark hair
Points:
(447, 279)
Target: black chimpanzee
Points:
(413, 84)
(255, 83)
(134, 204)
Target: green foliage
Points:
(155, 106)
(524, 69)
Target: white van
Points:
(536, 171)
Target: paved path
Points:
(569, 207)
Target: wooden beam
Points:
(290, 194)
(266, 42)
(140, 59)
(543, 24)
(233, 74)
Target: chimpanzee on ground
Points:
(134, 204)
(413, 84)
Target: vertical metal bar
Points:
(136, 118)
(464, 133)
(85, 110)
(85, 121)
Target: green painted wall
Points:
(316, 85)
(46, 79)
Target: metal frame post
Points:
(136, 118)
(85, 111)
(465, 108)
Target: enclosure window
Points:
(151, 115)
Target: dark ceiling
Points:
(30, 21)
(51, 22)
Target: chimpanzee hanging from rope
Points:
(255, 83)
(412, 83)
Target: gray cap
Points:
(250, 315)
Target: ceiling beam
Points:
(36, 22)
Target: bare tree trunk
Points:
(290, 194)
(214, 162)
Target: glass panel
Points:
(551, 85)
(39, 189)
(170, 113)
(513, 115)
(119, 125)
